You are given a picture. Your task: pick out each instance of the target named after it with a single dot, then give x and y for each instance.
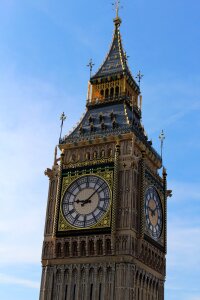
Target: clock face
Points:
(86, 201)
(153, 212)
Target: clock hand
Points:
(95, 191)
(85, 202)
(154, 210)
(81, 201)
(150, 209)
(88, 200)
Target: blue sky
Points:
(45, 46)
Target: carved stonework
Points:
(106, 221)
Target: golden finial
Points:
(117, 7)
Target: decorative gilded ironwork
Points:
(105, 221)
(91, 163)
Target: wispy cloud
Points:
(11, 280)
(183, 241)
(174, 105)
(183, 246)
(29, 137)
(185, 191)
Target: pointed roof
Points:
(115, 62)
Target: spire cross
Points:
(62, 118)
(117, 7)
(139, 76)
(162, 138)
(90, 65)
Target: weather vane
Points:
(162, 138)
(62, 118)
(90, 65)
(117, 7)
(139, 77)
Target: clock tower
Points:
(105, 230)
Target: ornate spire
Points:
(114, 69)
(115, 62)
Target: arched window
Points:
(99, 280)
(117, 91)
(74, 283)
(66, 290)
(91, 291)
(58, 284)
(58, 250)
(74, 292)
(111, 92)
(46, 250)
(100, 288)
(108, 246)
(91, 280)
(58, 276)
(95, 154)
(66, 249)
(109, 282)
(102, 93)
(66, 279)
(99, 247)
(74, 248)
(91, 247)
(83, 248)
(110, 152)
(114, 124)
(107, 93)
(83, 285)
(102, 153)
(87, 155)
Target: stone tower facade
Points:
(105, 230)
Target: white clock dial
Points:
(86, 201)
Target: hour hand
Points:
(79, 201)
(152, 211)
(85, 202)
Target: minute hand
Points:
(95, 192)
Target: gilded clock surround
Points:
(105, 221)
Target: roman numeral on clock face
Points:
(86, 201)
